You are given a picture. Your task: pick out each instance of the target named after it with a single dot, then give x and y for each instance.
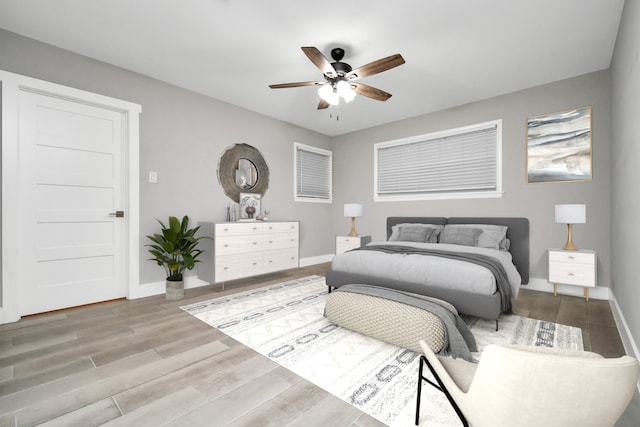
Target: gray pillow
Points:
(410, 233)
(432, 238)
(461, 235)
(493, 236)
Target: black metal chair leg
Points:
(440, 386)
(419, 392)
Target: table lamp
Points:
(571, 214)
(353, 210)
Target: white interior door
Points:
(72, 181)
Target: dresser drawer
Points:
(238, 228)
(572, 274)
(229, 245)
(231, 267)
(280, 227)
(572, 257)
(279, 241)
(282, 259)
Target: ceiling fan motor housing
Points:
(342, 68)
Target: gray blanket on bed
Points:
(493, 265)
(459, 341)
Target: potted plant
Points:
(175, 249)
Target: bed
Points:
(473, 275)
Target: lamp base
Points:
(569, 246)
(353, 232)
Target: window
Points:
(458, 163)
(312, 177)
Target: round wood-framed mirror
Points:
(242, 169)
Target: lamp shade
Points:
(571, 214)
(352, 210)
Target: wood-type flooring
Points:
(147, 363)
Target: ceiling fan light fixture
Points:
(344, 90)
(327, 93)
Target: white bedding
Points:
(436, 271)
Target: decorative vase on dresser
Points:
(245, 249)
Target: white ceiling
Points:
(456, 51)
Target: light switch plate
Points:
(153, 177)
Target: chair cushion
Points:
(460, 371)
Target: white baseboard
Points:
(544, 286)
(630, 346)
(320, 259)
(157, 288)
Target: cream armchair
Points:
(533, 386)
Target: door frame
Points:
(11, 86)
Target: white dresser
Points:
(572, 268)
(244, 249)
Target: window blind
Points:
(313, 173)
(465, 161)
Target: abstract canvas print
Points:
(559, 146)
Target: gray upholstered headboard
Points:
(517, 233)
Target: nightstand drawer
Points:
(346, 243)
(572, 257)
(572, 274)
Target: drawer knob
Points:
(255, 243)
(226, 246)
(571, 274)
(571, 257)
(226, 268)
(255, 263)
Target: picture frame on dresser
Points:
(249, 206)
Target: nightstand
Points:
(346, 243)
(572, 268)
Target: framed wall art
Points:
(559, 146)
(249, 206)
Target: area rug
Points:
(285, 322)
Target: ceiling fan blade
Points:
(323, 104)
(297, 84)
(376, 67)
(319, 60)
(370, 92)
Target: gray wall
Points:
(182, 135)
(625, 180)
(353, 156)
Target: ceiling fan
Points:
(340, 80)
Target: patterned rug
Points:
(285, 322)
